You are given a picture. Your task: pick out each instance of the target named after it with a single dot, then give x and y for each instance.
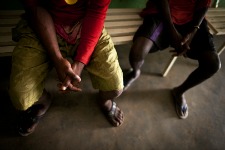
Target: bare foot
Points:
(129, 78)
(180, 104)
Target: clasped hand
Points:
(69, 76)
(182, 44)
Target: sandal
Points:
(181, 110)
(30, 118)
(111, 115)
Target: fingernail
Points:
(63, 88)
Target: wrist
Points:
(78, 67)
(57, 59)
(196, 27)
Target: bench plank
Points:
(122, 31)
(117, 24)
(122, 40)
(123, 17)
(121, 24)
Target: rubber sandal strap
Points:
(113, 109)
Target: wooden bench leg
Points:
(169, 66)
(221, 49)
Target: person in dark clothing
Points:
(180, 24)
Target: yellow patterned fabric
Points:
(31, 65)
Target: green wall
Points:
(222, 3)
(128, 3)
(10, 4)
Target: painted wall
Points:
(10, 4)
(128, 3)
(221, 3)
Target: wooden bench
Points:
(121, 24)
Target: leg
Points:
(108, 79)
(139, 50)
(209, 64)
(151, 34)
(30, 67)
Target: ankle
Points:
(106, 105)
(136, 72)
(178, 91)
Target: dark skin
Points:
(68, 73)
(180, 43)
(209, 62)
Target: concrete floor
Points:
(74, 121)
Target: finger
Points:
(74, 88)
(188, 48)
(73, 75)
(184, 41)
(64, 91)
(77, 78)
(76, 84)
(61, 87)
(65, 83)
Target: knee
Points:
(110, 94)
(136, 55)
(17, 99)
(215, 64)
(116, 93)
(140, 49)
(212, 64)
(24, 97)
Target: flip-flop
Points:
(181, 110)
(30, 118)
(110, 115)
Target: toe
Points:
(119, 117)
